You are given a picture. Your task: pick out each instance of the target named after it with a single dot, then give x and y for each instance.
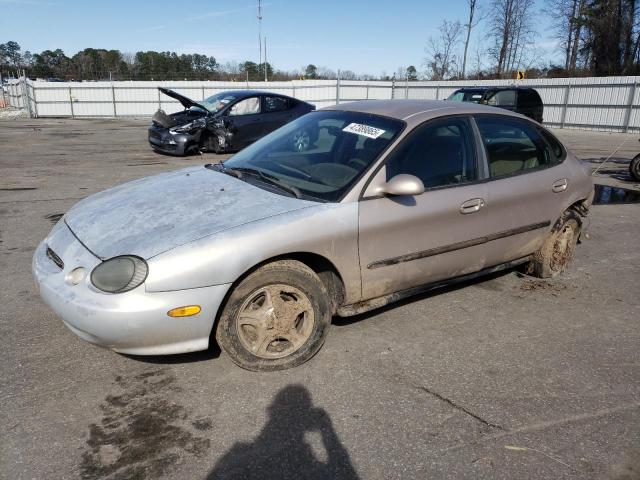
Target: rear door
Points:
(405, 241)
(244, 120)
(276, 111)
(527, 188)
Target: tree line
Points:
(102, 64)
(595, 38)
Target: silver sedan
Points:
(260, 251)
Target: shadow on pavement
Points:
(297, 442)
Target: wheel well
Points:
(581, 207)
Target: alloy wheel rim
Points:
(275, 321)
(301, 141)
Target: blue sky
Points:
(364, 36)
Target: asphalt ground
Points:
(503, 377)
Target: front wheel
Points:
(556, 252)
(634, 168)
(276, 318)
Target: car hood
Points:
(152, 215)
(185, 101)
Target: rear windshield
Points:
(322, 153)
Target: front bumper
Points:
(163, 140)
(135, 322)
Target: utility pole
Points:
(265, 58)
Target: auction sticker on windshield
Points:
(365, 130)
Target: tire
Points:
(634, 168)
(556, 252)
(301, 141)
(276, 318)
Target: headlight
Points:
(189, 126)
(120, 274)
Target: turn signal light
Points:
(185, 311)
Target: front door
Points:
(407, 241)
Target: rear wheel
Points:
(276, 318)
(634, 168)
(301, 141)
(557, 251)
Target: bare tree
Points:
(441, 58)
(472, 22)
(512, 32)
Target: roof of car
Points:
(489, 87)
(415, 111)
(248, 93)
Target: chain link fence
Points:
(607, 103)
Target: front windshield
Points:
(322, 154)
(217, 102)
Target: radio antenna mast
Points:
(260, 29)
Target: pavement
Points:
(503, 377)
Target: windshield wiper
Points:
(238, 172)
(271, 179)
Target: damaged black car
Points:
(225, 122)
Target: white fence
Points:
(605, 103)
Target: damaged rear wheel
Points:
(557, 251)
(276, 318)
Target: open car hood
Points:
(186, 102)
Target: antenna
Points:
(260, 29)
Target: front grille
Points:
(55, 258)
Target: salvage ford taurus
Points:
(225, 122)
(394, 197)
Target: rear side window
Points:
(503, 98)
(512, 145)
(557, 149)
(439, 153)
(275, 104)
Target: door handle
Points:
(472, 206)
(560, 185)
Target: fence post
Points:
(393, 87)
(71, 103)
(159, 101)
(566, 104)
(113, 100)
(338, 88)
(437, 92)
(367, 91)
(632, 97)
(406, 87)
(293, 92)
(202, 91)
(35, 101)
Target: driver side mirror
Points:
(403, 184)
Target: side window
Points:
(275, 104)
(503, 98)
(512, 145)
(248, 106)
(557, 150)
(439, 153)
